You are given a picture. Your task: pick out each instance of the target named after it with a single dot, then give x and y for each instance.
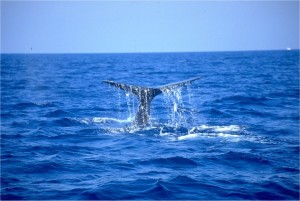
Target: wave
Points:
(244, 100)
(172, 162)
(217, 113)
(278, 191)
(183, 180)
(7, 115)
(68, 122)
(247, 158)
(159, 191)
(43, 167)
(25, 105)
(91, 131)
(255, 112)
(288, 169)
(292, 93)
(58, 113)
(13, 195)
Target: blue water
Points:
(232, 135)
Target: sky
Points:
(147, 26)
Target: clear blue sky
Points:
(147, 26)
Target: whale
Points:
(145, 96)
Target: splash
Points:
(130, 105)
(131, 110)
(173, 102)
(119, 103)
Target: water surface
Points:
(234, 134)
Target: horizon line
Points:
(158, 52)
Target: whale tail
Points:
(146, 95)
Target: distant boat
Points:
(288, 48)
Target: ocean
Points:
(231, 135)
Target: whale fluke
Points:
(177, 84)
(145, 96)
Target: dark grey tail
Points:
(145, 96)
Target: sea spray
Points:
(119, 103)
(190, 98)
(174, 103)
(130, 100)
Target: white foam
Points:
(85, 121)
(107, 120)
(188, 136)
(209, 135)
(227, 128)
(229, 133)
(232, 128)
